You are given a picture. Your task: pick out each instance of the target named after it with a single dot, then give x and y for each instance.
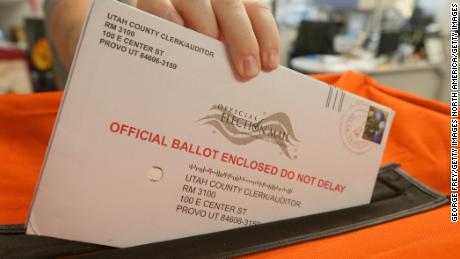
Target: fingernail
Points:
(174, 17)
(250, 66)
(272, 59)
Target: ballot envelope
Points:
(158, 139)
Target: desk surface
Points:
(339, 64)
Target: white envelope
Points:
(156, 139)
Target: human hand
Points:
(247, 28)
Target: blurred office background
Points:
(401, 43)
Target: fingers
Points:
(266, 31)
(247, 26)
(240, 39)
(161, 8)
(198, 15)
